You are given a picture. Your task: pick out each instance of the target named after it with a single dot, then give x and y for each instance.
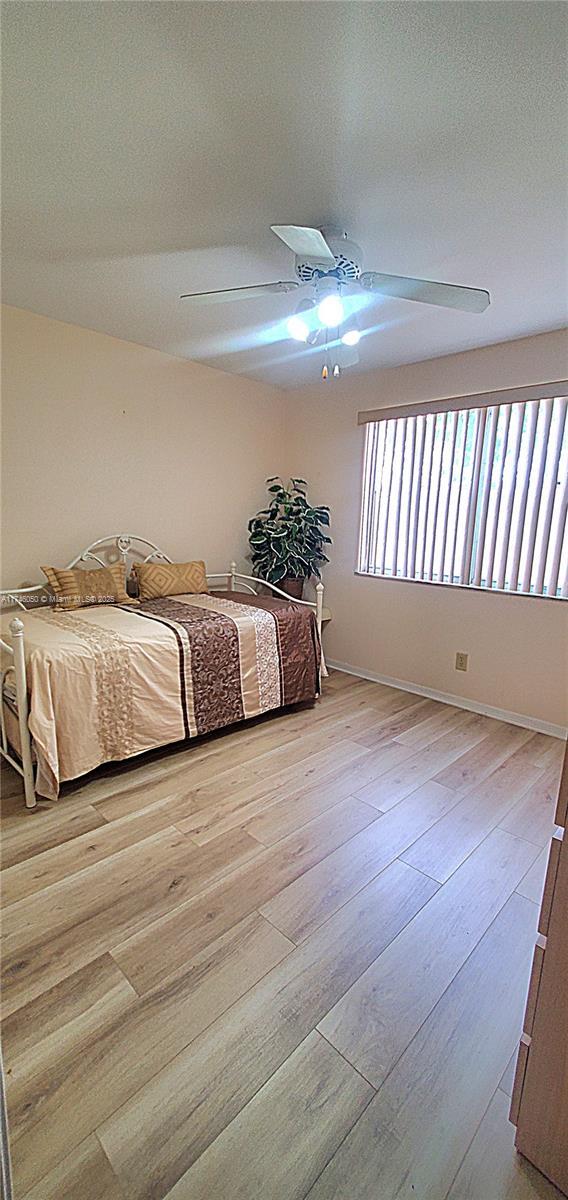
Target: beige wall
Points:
(101, 435)
(517, 646)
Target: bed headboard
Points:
(127, 546)
(106, 550)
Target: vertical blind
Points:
(477, 497)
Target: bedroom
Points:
(269, 917)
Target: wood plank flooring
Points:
(288, 961)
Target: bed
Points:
(107, 682)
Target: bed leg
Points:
(17, 632)
(319, 623)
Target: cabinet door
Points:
(542, 1122)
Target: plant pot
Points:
(293, 587)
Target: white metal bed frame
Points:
(125, 546)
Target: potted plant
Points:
(287, 538)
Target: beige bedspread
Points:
(111, 681)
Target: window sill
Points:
(459, 587)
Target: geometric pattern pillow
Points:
(170, 579)
(77, 588)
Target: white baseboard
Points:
(501, 714)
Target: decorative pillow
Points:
(170, 579)
(77, 588)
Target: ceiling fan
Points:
(327, 256)
(327, 261)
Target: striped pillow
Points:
(76, 588)
(170, 579)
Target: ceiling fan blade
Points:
(304, 241)
(243, 293)
(426, 291)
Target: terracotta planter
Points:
(293, 587)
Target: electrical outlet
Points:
(461, 661)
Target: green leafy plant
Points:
(287, 538)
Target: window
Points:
(476, 496)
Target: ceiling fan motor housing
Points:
(348, 262)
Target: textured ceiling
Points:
(148, 147)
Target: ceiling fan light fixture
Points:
(350, 334)
(298, 328)
(330, 310)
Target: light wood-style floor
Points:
(289, 961)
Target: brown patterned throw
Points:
(245, 655)
(212, 661)
(298, 645)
